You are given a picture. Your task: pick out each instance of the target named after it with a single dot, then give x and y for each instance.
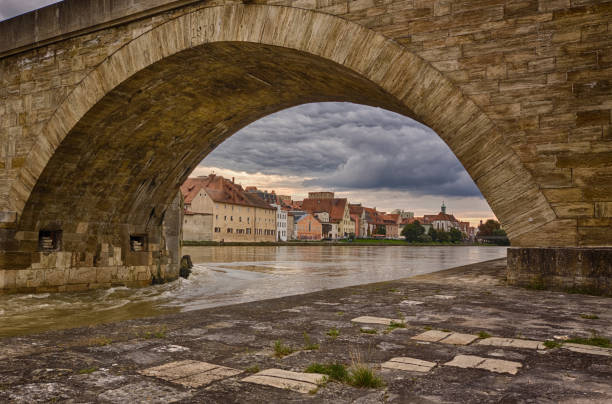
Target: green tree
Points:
(443, 236)
(433, 233)
(455, 235)
(489, 228)
(412, 231)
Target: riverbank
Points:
(344, 243)
(120, 362)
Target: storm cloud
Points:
(343, 146)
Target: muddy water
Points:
(227, 275)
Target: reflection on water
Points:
(227, 275)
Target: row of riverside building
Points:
(218, 209)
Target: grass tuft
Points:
(595, 340)
(590, 316)
(484, 335)
(281, 349)
(363, 376)
(334, 371)
(252, 369)
(550, 344)
(368, 331)
(308, 344)
(394, 325)
(333, 333)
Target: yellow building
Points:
(235, 215)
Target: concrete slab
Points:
(144, 391)
(588, 349)
(465, 361)
(459, 339)
(285, 384)
(313, 378)
(512, 343)
(500, 366)
(492, 365)
(190, 373)
(409, 364)
(285, 379)
(431, 336)
(202, 379)
(375, 320)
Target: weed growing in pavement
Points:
(483, 335)
(590, 316)
(393, 325)
(281, 349)
(595, 340)
(362, 375)
(550, 344)
(368, 331)
(334, 371)
(252, 369)
(427, 328)
(340, 313)
(308, 344)
(333, 333)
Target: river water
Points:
(228, 275)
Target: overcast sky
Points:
(369, 155)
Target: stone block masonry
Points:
(572, 269)
(94, 101)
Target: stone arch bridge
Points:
(107, 106)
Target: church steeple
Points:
(443, 207)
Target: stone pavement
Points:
(429, 350)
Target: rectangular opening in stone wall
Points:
(49, 240)
(138, 242)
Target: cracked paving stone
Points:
(512, 343)
(190, 373)
(409, 364)
(492, 365)
(375, 320)
(453, 338)
(145, 391)
(285, 379)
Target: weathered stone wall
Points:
(519, 90)
(570, 269)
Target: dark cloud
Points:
(346, 146)
(11, 8)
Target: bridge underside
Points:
(103, 123)
(115, 175)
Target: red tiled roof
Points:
(334, 207)
(221, 190)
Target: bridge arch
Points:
(391, 77)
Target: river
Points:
(228, 275)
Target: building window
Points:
(217, 230)
(231, 218)
(49, 240)
(230, 230)
(248, 231)
(216, 217)
(138, 242)
(240, 219)
(225, 218)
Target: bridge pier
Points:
(52, 260)
(573, 269)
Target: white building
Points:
(281, 223)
